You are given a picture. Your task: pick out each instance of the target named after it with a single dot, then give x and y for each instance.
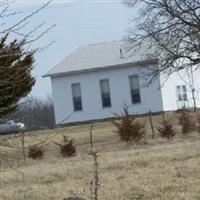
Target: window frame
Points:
(131, 90)
(80, 106)
(109, 94)
(182, 94)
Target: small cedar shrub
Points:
(129, 128)
(182, 110)
(67, 147)
(187, 122)
(198, 123)
(74, 198)
(166, 130)
(36, 152)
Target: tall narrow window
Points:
(135, 89)
(76, 94)
(181, 92)
(105, 93)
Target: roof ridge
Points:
(99, 43)
(98, 55)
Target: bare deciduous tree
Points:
(22, 29)
(35, 113)
(17, 54)
(172, 29)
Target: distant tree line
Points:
(35, 113)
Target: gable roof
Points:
(101, 56)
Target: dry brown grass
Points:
(161, 169)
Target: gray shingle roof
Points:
(98, 57)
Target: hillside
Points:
(157, 169)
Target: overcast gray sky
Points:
(78, 23)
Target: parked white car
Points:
(11, 127)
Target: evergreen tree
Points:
(16, 80)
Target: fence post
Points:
(152, 126)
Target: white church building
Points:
(98, 80)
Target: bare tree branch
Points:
(171, 28)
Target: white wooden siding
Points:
(168, 89)
(151, 98)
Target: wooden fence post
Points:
(152, 126)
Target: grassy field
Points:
(158, 169)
